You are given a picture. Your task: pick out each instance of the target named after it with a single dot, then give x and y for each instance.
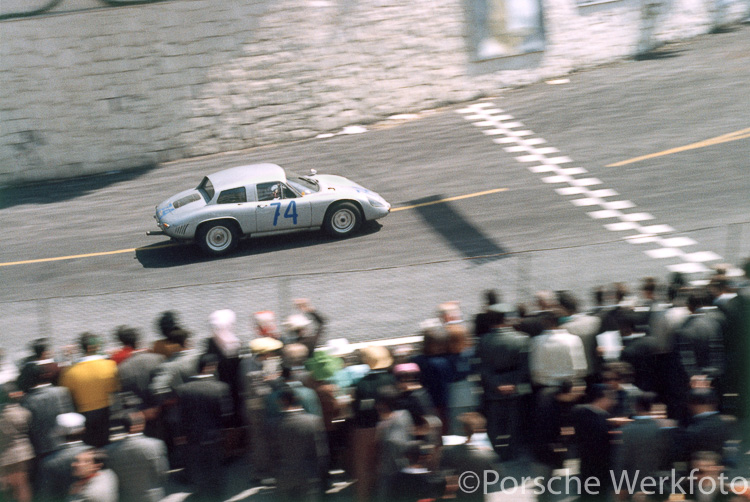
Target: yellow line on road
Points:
(724, 138)
(450, 199)
(133, 250)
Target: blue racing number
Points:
(291, 212)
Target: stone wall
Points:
(89, 88)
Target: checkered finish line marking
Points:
(523, 144)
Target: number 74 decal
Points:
(291, 212)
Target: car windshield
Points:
(206, 188)
(303, 184)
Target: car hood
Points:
(339, 182)
(188, 200)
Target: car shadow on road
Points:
(166, 254)
(48, 192)
(465, 238)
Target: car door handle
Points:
(264, 205)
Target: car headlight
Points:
(375, 202)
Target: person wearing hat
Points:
(259, 371)
(323, 368)
(299, 326)
(226, 346)
(54, 476)
(92, 381)
(16, 451)
(365, 418)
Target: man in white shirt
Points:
(556, 355)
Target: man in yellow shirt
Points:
(91, 382)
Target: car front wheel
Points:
(343, 219)
(218, 237)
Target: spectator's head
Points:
(167, 323)
(450, 312)
(89, 343)
(180, 337)
(407, 376)
(545, 300)
(127, 336)
(71, 426)
(491, 297)
(222, 322)
(323, 366)
(40, 348)
(435, 338)
(386, 400)
(294, 355)
(602, 396)
(621, 291)
(703, 400)
(497, 314)
(297, 325)
(376, 357)
(264, 347)
(88, 463)
(648, 288)
(472, 423)
(568, 302)
(265, 323)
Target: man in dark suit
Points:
(708, 430)
(592, 429)
(204, 405)
(471, 456)
(645, 445)
(140, 462)
(45, 402)
(504, 367)
(302, 451)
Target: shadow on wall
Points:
(47, 192)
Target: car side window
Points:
(269, 191)
(232, 196)
(288, 192)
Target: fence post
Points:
(44, 323)
(524, 277)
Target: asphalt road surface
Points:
(485, 195)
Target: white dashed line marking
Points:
(506, 131)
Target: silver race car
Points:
(261, 199)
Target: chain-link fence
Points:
(360, 305)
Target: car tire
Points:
(342, 220)
(218, 237)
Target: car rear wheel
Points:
(343, 219)
(218, 237)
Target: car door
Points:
(281, 208)
(233, 202)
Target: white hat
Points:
(222, 319)
(70, 423)
(297, 321)
(338, 347)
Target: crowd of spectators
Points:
(643, 383)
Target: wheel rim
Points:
(343, 220)
(218, 238)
